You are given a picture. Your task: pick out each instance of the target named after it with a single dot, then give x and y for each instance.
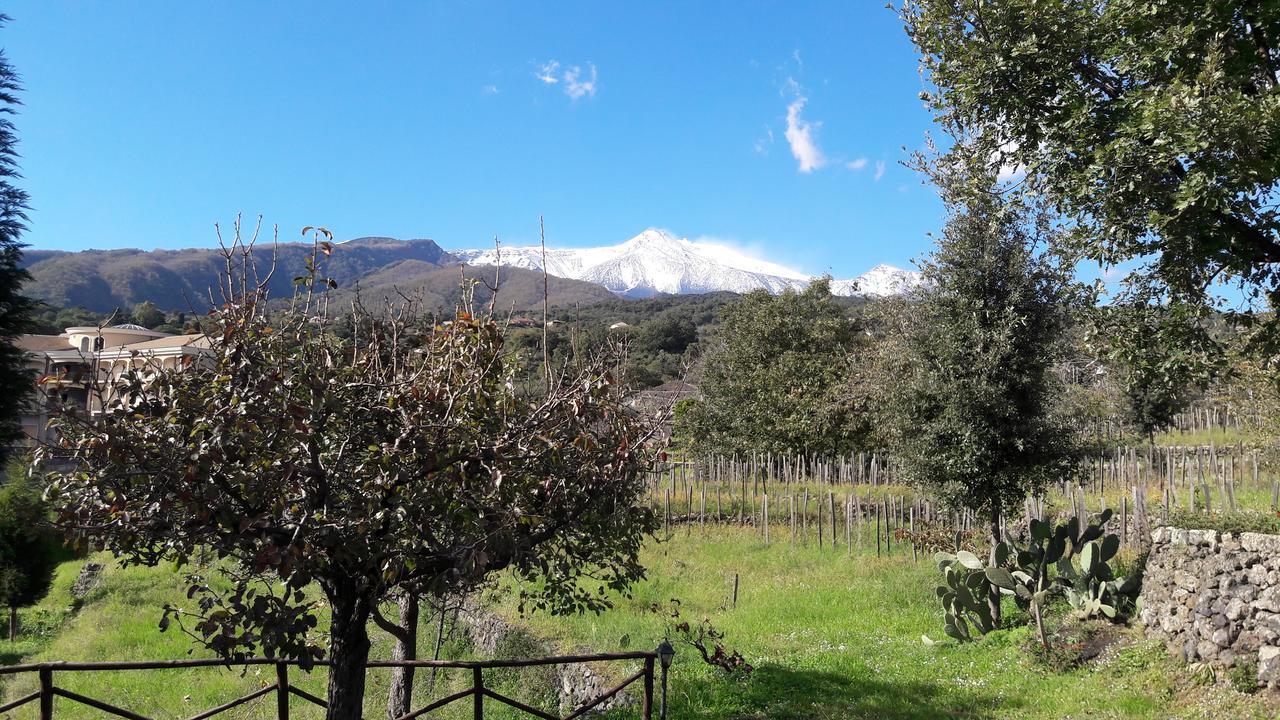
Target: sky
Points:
(778, 128)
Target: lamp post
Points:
(666, 653)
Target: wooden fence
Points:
(283, 690)
(844, 502)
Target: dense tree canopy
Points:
(15, 309)
(1152, 127)
(1156, 358)
(974, 403)
(774, 377)
(29, 548)
(400, 457)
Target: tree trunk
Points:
(400, 696)
(348, 652)
(13, 623)
(993, 595)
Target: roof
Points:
(172, 341)
(38, 343)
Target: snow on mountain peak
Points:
(657, 262)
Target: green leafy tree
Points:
(400, 458)
(1151, 127)
(974, 400)
(774, 377)
(147, 314)
(29, 549)
(15, 308)
(1157, 360)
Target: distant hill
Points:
(102, 280)
(441, 287)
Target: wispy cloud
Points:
(576, 86)
(490, 89)
(857, 165)
(762, 144)
(880, 167)
(577, 83)
(801, 134)
(547, 73)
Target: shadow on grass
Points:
(774, 691)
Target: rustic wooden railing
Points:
(283, 688)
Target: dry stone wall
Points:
(1214, 597)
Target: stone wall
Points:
(493, 636)
(1215, 597)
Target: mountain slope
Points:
(441, 287)
(656, 262)
(102, 280)
(880, 281)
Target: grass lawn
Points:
(831, 636)
(838, 637)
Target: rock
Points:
(1269, 664)
(1215, 598)
(90, 577)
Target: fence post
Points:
(282, 691)
(46, 694)
(478, 680)
(646, 703)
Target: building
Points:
(81, 368)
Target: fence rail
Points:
(283, 689)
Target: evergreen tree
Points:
(15, 309)
(974, 406)
(29, 549)
(774, 377)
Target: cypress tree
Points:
(15, 308)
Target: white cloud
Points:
(858, 164)
(1007, 172)
(880, 166)
(801, 134)
(490, 89)
(575, 87)
(572, 78)
(547, 73)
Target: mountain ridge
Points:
(653, 263)
(657, 262)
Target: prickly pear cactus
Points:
(1030, 573)
(964, 595)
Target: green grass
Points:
(839, 637)
(831, 636)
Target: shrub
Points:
(1231, 522)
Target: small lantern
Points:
(666, 653)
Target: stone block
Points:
(1269, 664)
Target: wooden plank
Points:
(308, 696)
(234, 703)
(584, 709)
(99, 705)
(438, 704)
(19, 702)
(519, 705)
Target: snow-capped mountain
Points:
(880, 281)
(656, 262)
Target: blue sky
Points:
(778, 127)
